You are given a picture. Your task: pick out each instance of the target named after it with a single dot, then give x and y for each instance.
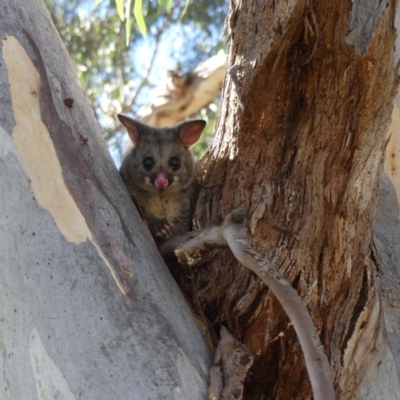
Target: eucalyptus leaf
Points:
(165, 4)
(120, 8)
(138, 13)
(186, 6)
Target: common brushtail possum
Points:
(159, 174)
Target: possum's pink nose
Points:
(161, 182)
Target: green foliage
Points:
(166, 4)
(120, 8)
(118, 75)
(138, 13)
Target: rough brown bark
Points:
(229, 376)
(300, 142)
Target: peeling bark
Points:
(84, 186)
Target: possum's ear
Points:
(190, 131)
(136, 130)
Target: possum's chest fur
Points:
(166, 206)
(173, 207)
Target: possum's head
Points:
(161, 159)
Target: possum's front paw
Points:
(162, 230)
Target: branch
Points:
(182, 95)
(189, 250)
(231, 364)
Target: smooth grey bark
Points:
(65, 327)
(382, 380)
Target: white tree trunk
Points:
(88, 308)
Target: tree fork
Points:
(232, 233)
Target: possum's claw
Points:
(163, 230)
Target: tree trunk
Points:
(89, 309)
(300, 142)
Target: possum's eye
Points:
(175, 163)
(148, 163)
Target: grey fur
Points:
(168, 212)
